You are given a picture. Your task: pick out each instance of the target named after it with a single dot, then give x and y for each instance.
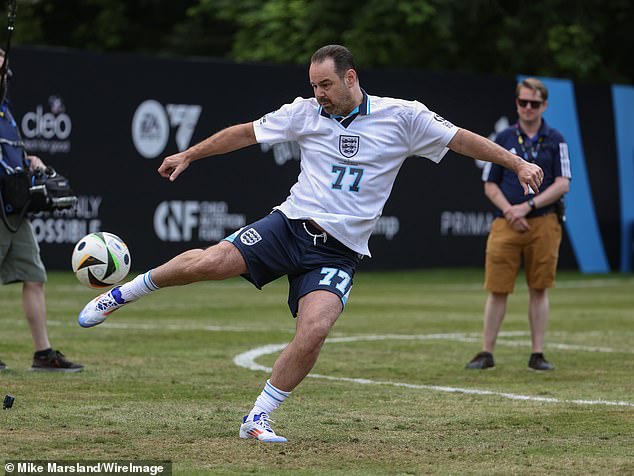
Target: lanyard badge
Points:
(530, 155)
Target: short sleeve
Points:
(492, 172)
(275, 126)
(430, 133)
(561, 165)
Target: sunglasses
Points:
(526, 102)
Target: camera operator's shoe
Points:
(54, 361)
(2, 365)
(539, 362)
(97, 310)
(258, 427)
(482, 361)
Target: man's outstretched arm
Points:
(222, 142)
(473, 145)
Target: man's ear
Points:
(351, 77)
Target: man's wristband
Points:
(531, 203)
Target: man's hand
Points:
(173, 166)
(530, 175)
(35, 163)
(515, 215)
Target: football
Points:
(100, 260)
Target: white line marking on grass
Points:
(594, 283)
(172, 327)
(456, 336)
(462, 337)
(247, 360)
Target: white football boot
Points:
(97, 310)
(258, 427)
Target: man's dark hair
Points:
(340, 55)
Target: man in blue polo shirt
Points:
(527, 226)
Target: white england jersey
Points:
(347, 173)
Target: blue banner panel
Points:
(581, 222)
(623, 98)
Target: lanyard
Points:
(534, 149)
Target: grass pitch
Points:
(389, 394)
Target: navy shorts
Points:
(276, 246)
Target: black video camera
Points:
(40, 191)
(50, 191)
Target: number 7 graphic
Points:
(341, 171)
(330, 274)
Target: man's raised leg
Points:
(217, 262)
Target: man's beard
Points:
(336, 109)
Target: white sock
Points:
(138, 287)
(269, 399)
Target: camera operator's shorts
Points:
(276, 246)
(20, 255)
(539, 248)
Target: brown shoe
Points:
(54, 361)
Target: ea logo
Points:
(150, 129)
(152, 122)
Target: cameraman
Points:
(20, 259)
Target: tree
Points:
(586, 40)
(583, 40)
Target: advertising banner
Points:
(106, 121)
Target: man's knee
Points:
(33, 287)
(318, 312)
(537, 293)
(315, 329)
(499, 296)
(220, 261)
